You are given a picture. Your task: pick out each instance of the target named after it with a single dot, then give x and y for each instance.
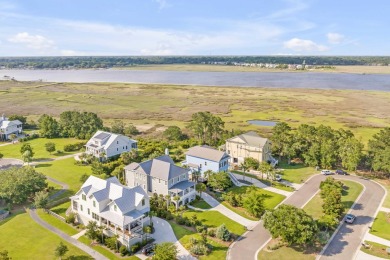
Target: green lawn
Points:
(215, 219)
(349, 195)
(296, 173)
(183, 235)
(201, 204)
(285, 253)
(105, 251)
(381, 226)
(386, 185)
(25, 239)
(61, 209)
(55, 222)
(65, 171)
(376, 250)
(38, 145)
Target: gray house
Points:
(160, 175)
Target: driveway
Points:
(164, 233)
(344, 244)
(6, 163)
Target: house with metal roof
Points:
(8, 128)
(104, 145)
(249, 144)
(160, 175)
(202, 158)
(119, 209)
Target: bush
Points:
(199, 249)
(223, 233)
(73, 147)
(123, 250)
(211, 232)
(71, 218)
(59, 152)
(275, 247)
(201, 228)
(134, 248)
(28, 138)
(179, 220)
(187, 222)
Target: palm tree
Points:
(176, 198)
(244, 167)
(201, 187)
(12, 137)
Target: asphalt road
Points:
(343, 245)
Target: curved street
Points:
(346, 241)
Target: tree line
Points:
(126, 61)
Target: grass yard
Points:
(376, 250)
(38, 145)
(381, 226)
(55, 222)
(25, 239)
(314, 207)
(201, 204)
(285, 253)
(61, 209)
(296, 173)
(105, 251)
(65, 171)
(275, 184)
(183, 235)
(215, 219)
(386, 185)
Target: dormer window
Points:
(143, 202)
(115, 207)
(83, 197)
(94, 204)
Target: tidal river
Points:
(379, 82)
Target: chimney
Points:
(166, 151)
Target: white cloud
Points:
(162, 3)
(32, 41)
(335, 38)
(297, 44)
(72, 53)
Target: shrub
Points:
(187, 222)
(223, 233)
(180, 220)
(201, 228)
(134, 248)
(211, 232)
(123, 250)
(111, 242)
(275, 247)
(73, 147)
(70, 218)
(199, 249)
(59, 152)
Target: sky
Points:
(193, 27)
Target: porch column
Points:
(115, 229)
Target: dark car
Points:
(148, 249)
(341, 172)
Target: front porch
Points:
(185, 190)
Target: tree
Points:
(201, 187)
(50, 147)
(290, 224)
(131, 130)
(12, 137)
(1, 155)
(351, 153)
(254, 203)
(176, 198)
(206, 127)
(118, 127)
(265, 168)
(19, 184)
(61, 250)
(80, 125)
(223, 233)
(26, 147)
(173, 133)
(379, 150)
(41, 199)
(165, 251)
(92, 230)
(21, 118)
(281, 137)
(219, 181)
(48, 126)
(27, 157)
(4, 255)
(333, 206)
(249, 163)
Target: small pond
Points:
(262, 122)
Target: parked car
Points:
(148, 249)
(326, 172)
(349, 218)
(341, 172)
(278, 177)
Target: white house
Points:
(202, 158)
(160, 175)
(118, 208)
(9, 127)
(104, 145)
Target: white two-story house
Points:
(8, 128)
(160, 175)
(202, 158)
(120, 209)
(104, 145)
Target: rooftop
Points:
(206, 152)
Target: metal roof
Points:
(206, 152)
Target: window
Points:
(84, 197)
(126, 147)
(159, 180)
(94, 204)
(165, 183)
(117, 142)
(205, 163)
(89, 211)
(95, 216)
(114, 207)
(117, 149)
(228, 151)
(81, 207)
(143, 202)
(144, 187)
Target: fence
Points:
(55, 214)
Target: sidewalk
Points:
(261, 185)
(249, 224)
(363, 256)
(384, 209)
(379, 240)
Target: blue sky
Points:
(193, 27)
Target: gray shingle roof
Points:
(162, 167)
(206, 152)
(181, 186)
(252, 139)
(102, 136)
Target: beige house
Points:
(248, 145)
